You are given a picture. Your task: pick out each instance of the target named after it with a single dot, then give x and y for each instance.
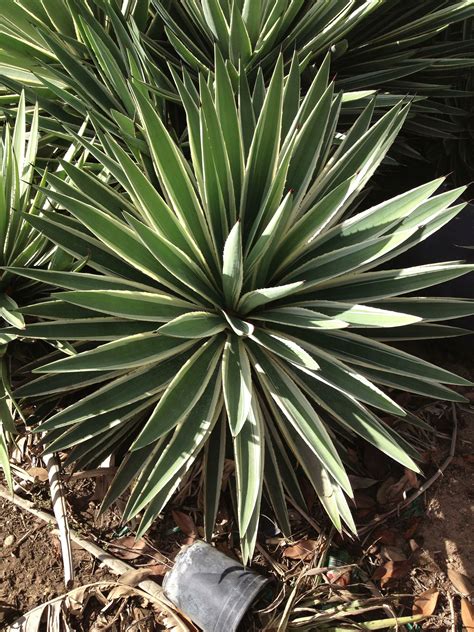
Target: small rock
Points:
(8, 541)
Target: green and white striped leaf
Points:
(194, 325)
(182, 393)
(249, 447)
(236, 383)
(125, 353)
(298, 411)
(128, 304)
(285, 348)
(232, 267)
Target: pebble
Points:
(8, 541)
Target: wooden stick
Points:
(452, 612)
(60, 512)
(96, 473)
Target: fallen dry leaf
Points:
(301, 551)
(383, 535)
(391, 570)
(425, 603)
(393, 553)
(412, 479)
(185, 523)
(38, 473)
(134, 577)
(391, 490)
(121, 591)
(412, 527)
(460, 582)
(470, 396)
(128, 547)
(158, 570)
(467, 615)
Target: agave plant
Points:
(76, 56)
(79, 56)
(21, 245)
(234, 303)
(252, 33)
(376, 45)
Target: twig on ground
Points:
(278, 568)
(423, 488)
(451, 610)
(100, 471)
(60, 512)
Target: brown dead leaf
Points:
(412, 479)
(185, 523)
(384, 535)
(38, 473)
(460, 582)
(121, 591)
(301, 551)
(391, 570)
(391, 490)
(363, 501)
(158, 570)
(393, 553)
(467, 615)
(134, 577)
(128, 547)
(425, 603)
(412, 527)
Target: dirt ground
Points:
(447, 540)
(31, 565)
(32, 572)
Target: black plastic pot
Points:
(213, 590)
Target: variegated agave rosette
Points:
(234, 303)
(20, 245)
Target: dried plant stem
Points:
(96, 473)
(452, 612)
(60, 512)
